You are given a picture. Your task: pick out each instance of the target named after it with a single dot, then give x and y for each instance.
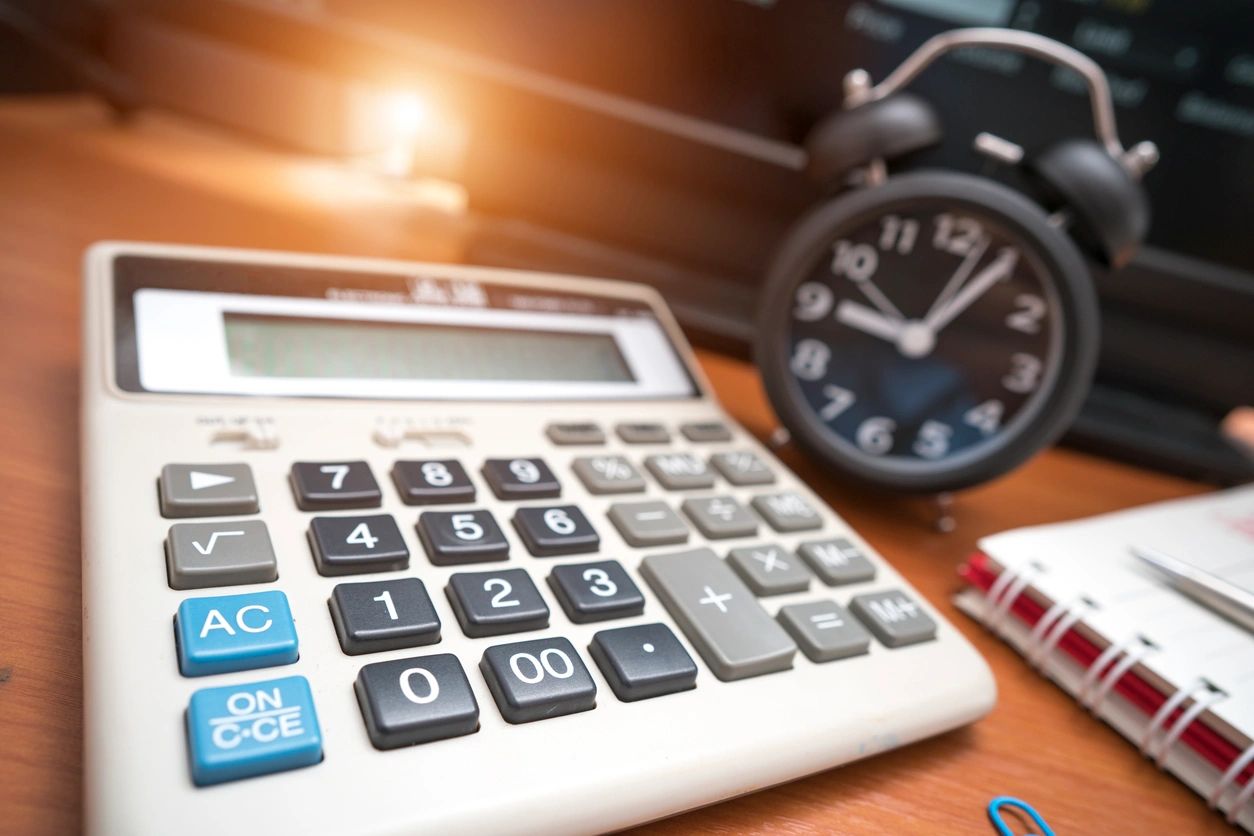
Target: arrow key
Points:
(207, 490)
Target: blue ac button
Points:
(235, 633)
(239, 731)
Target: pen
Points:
(1211, 591)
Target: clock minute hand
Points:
(974, 289)
(868, 321)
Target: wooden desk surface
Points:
(68, 177)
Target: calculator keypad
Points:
(556, 529)
(351, 545)
(643, 661)
(718, 614)
(521, 479)
(331, 485)
(408, 701)
(596, 591)
(495, 603)
(455, 537)
(219, 554)
(432, 482)
(383, 615)
(537, 680)
(420, 699)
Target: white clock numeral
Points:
(985, 417)
(814, 301)
(809, 359)
(838, 400)
(1031, 311)
(1024, 375)
(875, 435)
(957, 235)
(932, 441)
(857, 261)
(898, 234)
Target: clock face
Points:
(924, 335)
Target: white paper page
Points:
(1214, 532)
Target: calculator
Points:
(386, 547)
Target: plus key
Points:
(718, 614)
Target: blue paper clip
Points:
(1003, 829)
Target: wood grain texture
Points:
(69, 176)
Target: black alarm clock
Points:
(931, 330)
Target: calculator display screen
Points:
(287, 347)
(203, 327)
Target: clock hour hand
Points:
(868, 320)
(974, 289)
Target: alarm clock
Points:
(930, 330)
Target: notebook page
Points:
(1215, 532)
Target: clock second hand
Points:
(877, 297)
(968, 263)
(997, 270)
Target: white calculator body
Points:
(384, 547)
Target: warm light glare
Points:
(404, 115)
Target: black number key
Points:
(383, 615)
(408, 701)
(557, 529)
(521, 479)
(643, 661)
(432, 482)
(596, 591)
(453, 537)
(350, 545)
(538, 679)
(492, 603)
(324, 485)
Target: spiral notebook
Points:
(1173, 677)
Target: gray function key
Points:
(718, 614)
(720, 517)
(575, 432)
(608, 474)
(742, 468)
(219, 554)
(825, 631)
(680, 471)
(207, 490)
(787, 512)
(837, 561)
(894, 618)
(643, 433)
(769, 570)
(706, 431)
(644, 524)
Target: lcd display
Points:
(306, 347)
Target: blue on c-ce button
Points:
(235, 633)
(238, 731)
